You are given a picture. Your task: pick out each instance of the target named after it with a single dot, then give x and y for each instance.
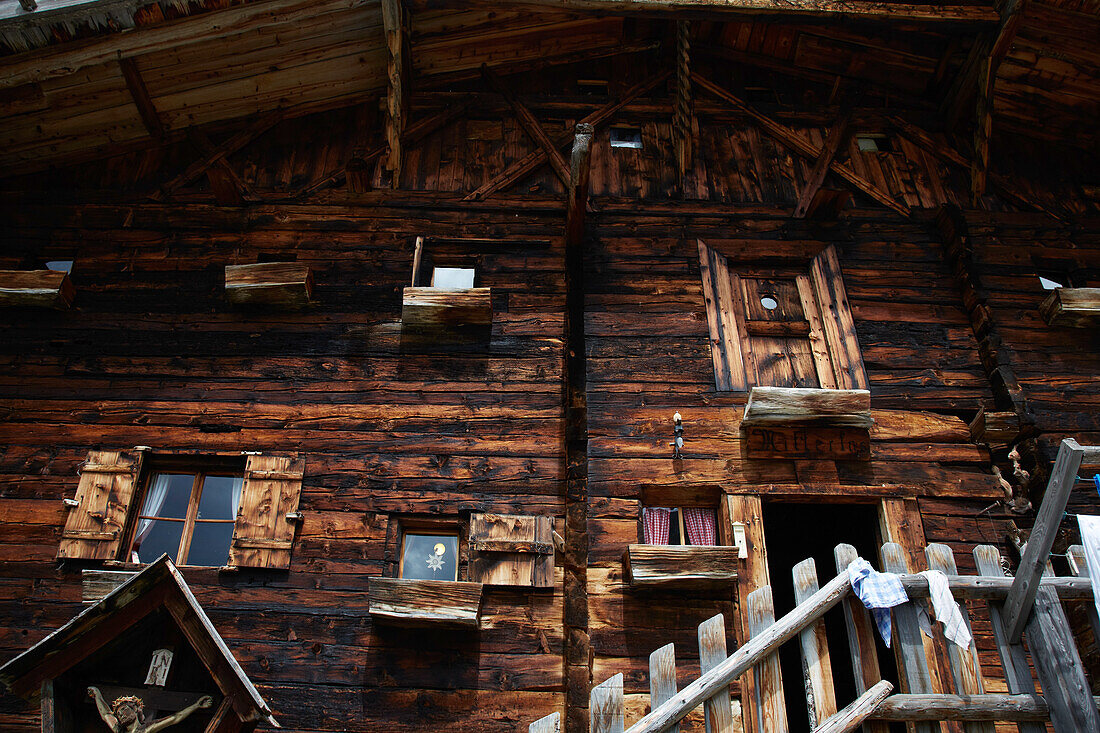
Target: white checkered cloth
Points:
(946, 609)
(879, 592)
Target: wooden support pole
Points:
(1030, 709)
(682, 113)
(800, 145)
(718, 715)
(530, 125)
(838, 136)
(817, 668)
(861, 635)
(769, 703)
(140, 94)
(983, 128)
(909, 649)
(529, 163)
(396, 29)
(578, 189)
(227, 186)
(1017, 606)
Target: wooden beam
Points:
(140, 94)
(989, 50)
(229, 189)
(682, 127)
(838, 136)
(800, 145)
(530, 125)
(1020, 599)
(524, 166)
(863, 708)
(578, 188)
(28, 5)
(227, 148)
(396, 29)
(983, 128)
(1007, 708)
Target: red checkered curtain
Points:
(700, 525)
(655, 525)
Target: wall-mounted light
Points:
(739, 540)
(678, 433)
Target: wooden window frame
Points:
(201, 467)
(401, 525)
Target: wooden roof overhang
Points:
(159, 586)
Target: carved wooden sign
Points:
(841, 444)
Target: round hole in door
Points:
(769, 302)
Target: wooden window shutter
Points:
(724, 316)
(95, 526)
(264, 534)
(837, 323)
(512, 550)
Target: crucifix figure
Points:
(127, 714)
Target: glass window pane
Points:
(155, 538)
(220, 497)
(168, 495)
(453, 277)
(210, 544)
(430, 557)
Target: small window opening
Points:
(626, 137)
(873, 143)
(679, 526)
(188, 516)
(769, 302)
(453, 277)
(429, 557)
(593, 86)
(1049, 283)
(60, 265)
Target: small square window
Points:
(626, 137)
(1049, 283)
(60, 265)
(679, 526)
(429, 556)
(453, 277)
(188, 516)
(867, 144)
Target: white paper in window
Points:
(453, 277)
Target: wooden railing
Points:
(952, 688)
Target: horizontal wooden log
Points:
(1006, 708)
(995, 427)
(36, 289)
(283, 284)
(437, 309)
(1074, 307)
(799, 406)
(95, 584)
(647, 566)
(781, 442)
(988, 586)
(861, 709)
(425, 602)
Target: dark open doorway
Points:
(792, 533)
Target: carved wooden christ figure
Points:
(127, 714)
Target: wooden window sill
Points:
(1074, 307)
(274, 284)
(795, 406)
(36, 289)
(425, 602)
(680, 566)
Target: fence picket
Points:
(769, 703)
(712, 652)
(605, 706)
(662, 677)
(550, 724)
(965, 667)
(861, 637)
(817, 669)
(913, 665)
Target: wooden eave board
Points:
(161, 575)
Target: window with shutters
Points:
(785, 326)
(679, 526)
(209, 511)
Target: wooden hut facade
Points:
(461, 354)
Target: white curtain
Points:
(154, 500)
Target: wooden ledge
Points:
(425, 602)
(777, 406)
(1075, 307)
(281, 284)
(679, 566)
(442, 308)
(36, 289)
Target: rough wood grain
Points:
(662, 677)
(712, 651)
(36, 289)
(817, 668)
(794, 406)
(768, 700)
(425, 602)
(864, 707)
(605, 706)
(1075, 307)
(688, 566)
(281, 284)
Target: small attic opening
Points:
(626, 137)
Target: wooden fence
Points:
(950, 689)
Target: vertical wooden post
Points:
(861, 637)
(753, 574)
(965, 668)
(817, 669)
(662, 676)
(606, 707)
(1059, 668)
(579, 169)
(395, 22)
(1021, 596)
(712, 652)
(49, 716)
(909, 649)
(769, 703)
(682, 126)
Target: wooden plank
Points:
(512, 550)
(48, 707)
(912, 664)
(548, 724)
(719, 354)
(814, 443)
(662, 677)
(861, 636)
(605, 706)
(278, 284)
(95, 584)
(689, 566)
(819, 344)
(94, 528)
(437, 309)
(965, 667)
(838, 325)
(425, 602)
(1073, 307)
(753, 574)
(817, 669)
(36, 289)
(838, 137)
(771, 710)
(1017, 606)
(1021, 709)
(1058, 666)
(863, 708)
(140, 94)
(263, 535)
(797, 406)
(1078, 565)
(530, 125)
(712, 652)
(395, 24)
